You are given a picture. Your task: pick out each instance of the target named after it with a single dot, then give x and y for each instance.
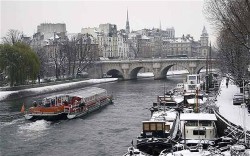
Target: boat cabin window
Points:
(195, 78)
(191, 77)
(198, 123)
(205, 123)
(146, 127)
(192, 123)
(159, 126)
(199, 132)
(153, 126)
(191, 87)
(167, 127)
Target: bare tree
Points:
(87, 52)
(13, 36)
(135, 46)
(40, 51)
(231, 19)
(233, 57)
(70, 50)
(57, 56)
(233, 15)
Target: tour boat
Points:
(68, 106)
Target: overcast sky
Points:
(184, 15)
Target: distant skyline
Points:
(184, 15)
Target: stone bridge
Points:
(128, 69)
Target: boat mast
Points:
(197, 100)
(164, 97)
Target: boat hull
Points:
(84, 112)
(154, 147)
(48, 117)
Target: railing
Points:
(229, 124)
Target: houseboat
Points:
(68, 106)
(159, 132)
(164, 102)
(198, 128)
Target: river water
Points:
(107, 132)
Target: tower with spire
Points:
(204, 43)
(204, 37)
(127, 25)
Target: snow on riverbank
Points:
(233, 113)
(46, 89)
(175, 72)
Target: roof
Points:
(86, 92)
(194, 100)
(197, 116)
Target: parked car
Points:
(238, 99)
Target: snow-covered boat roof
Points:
(161, 115)
(193, 101)
(197, 116)
(193, 93)
(88, 91)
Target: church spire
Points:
(127, 24)
(204, 32)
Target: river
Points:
(107, 132)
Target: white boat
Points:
(198, 128)
(193, 83)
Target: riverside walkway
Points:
(233, 113)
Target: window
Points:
(167, 127)
(199, 132)
(159, 126)
(192, 77)
(205, 123)
(192, 123)
(146, 126)
(153, 126)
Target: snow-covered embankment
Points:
(8, 95)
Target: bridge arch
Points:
(135, 70)
(198, 69)
(115, 73)
(165, 69)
